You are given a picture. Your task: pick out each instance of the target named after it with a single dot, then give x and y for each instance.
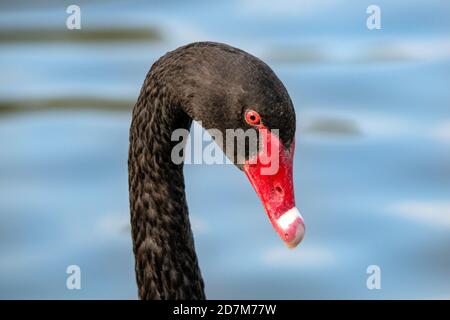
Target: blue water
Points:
(372, 163)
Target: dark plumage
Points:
(210, 82)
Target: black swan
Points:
(224, 88)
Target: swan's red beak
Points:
(270, 173)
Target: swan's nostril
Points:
(279, 190)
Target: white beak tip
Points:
(291, 227)
(299, 235)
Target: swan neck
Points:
(166, 264)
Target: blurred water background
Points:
(372, 168)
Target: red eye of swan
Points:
(252, 117)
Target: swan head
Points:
(229, 90)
